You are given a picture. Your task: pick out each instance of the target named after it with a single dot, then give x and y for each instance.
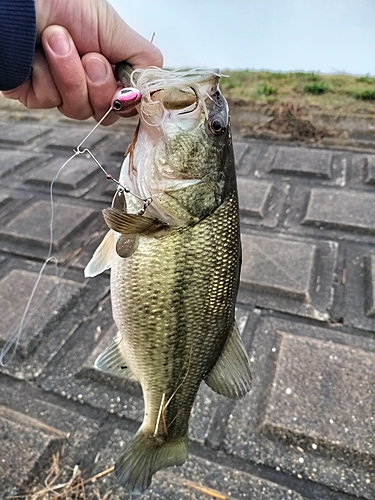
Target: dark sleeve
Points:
(17, 41)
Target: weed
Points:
(365, 95)
(366, 79)
(265, 90)
(316, 88)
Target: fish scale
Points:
(192, 311)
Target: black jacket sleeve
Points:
(17, 41)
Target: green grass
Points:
(332, 93)
(316, 88)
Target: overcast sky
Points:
(329, 36)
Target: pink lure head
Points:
(126, 99)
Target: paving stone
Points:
(4, 198)
(359, 283)
(370, 170)
(22, 133)
(11, 161)
(302, 164)
(68, 139)
(303, 161)
(32, 430)
(324, 394)
(283, 269)
(76, 174)
(310, 398)
(345, 210)
(288, 275)
(26, 446)
(51, 296)
(370, 310)
(253, 196)
(239, 149)
(33, 224)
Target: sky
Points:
(327, 36)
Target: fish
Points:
(174, 251)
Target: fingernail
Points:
(96, 70)
(59, 42)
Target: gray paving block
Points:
(26, 447)
(68, 139)
(4, 198)
(288, 275)
(53, 317)
(302, 161)
(253, 155)
(253, 196)
(12, 161)
(359, 283)
(285, 268)
(22, 133)
(239, 149)
(338, 209)
(309, 412)
(323, 395)
(51, 295)
(78, 174)
(32, 226)
(370, 296)
(369, 169)
(32, 430)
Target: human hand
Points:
(78, 42)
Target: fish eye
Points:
(117, 105)
(217, 125)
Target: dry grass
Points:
(331, 93)
(65, 483)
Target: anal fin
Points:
(112, 360)
(231, 375)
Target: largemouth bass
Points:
(174, 252)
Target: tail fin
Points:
(144, 456)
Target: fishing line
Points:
(12, 343)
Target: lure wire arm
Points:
(78, 151)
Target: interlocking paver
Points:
(301, 403)
(288, 275)
(346, 210)
(328, 401)
(32, 225)
(51, 295)
(22, 133)
(311, 162)
(253, 196)
(74, 175)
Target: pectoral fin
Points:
(102, 258)
(112, 360)
(131, 223)
(231, 375)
